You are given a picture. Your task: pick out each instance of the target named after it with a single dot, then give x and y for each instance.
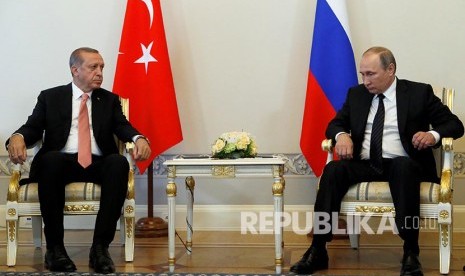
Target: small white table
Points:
(223, 168)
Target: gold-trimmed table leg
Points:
(278, 192)
(171, 196)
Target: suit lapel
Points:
(67, 107)
(402, 99)
(363, 108)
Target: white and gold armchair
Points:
(374, 198)
(81, 198)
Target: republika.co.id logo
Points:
(265, 222)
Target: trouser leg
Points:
(404, 183)
(55, 171)
(113, 178)
(335, 181)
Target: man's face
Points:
(89, 75)
(375, 78)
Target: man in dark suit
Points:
(411, 121)
(54, 120)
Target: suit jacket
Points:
(418, 109)
(50, 122)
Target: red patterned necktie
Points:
(84, 151)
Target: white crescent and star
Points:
(149, 5)
(146, 57)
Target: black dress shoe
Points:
(100, 260)
(56, 259)
(314, 259)
(411, 265)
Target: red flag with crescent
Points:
(143, 75)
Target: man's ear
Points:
(392, 68)
(74, 70)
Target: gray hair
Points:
(385, 56)
(75, 59)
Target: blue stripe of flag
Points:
(332, 58)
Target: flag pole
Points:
(150, 226)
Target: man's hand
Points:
(344, 147)
(142, 150)
(17, 149)
(422, 140)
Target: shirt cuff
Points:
(337, 135)
(436, 136)
(135, 138)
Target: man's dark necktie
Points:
(376, 144)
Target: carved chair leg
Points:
(445, 235)
(12, 241)
(129, 239)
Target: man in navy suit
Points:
(54, 120)
(415, 120)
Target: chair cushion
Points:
(379, 192)
(76, 191)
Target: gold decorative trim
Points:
(129, 227)
(444, 235)
(131, 190)
(189, 244)
(129, 209)
(445, 195)
(278, 188)
(327, 145)
(13, 187)
(79, 208)
(171, 189)
(171, 261)
(11, 212)
(278, 261)
(444, 214)
(223, 171)
(12, 230)
(375, 209)
(190, 182)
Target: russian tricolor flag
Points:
(332, 72)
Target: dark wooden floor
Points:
(231, 252)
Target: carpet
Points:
(125, 274)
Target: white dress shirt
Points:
(392, 146)
(71, 145)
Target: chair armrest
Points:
(127, 152)
(327, 145)
(446, 170)
(13, 187)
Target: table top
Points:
(208, 161)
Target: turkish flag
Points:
(143, 75)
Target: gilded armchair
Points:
(81, 198)
(374, 198)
